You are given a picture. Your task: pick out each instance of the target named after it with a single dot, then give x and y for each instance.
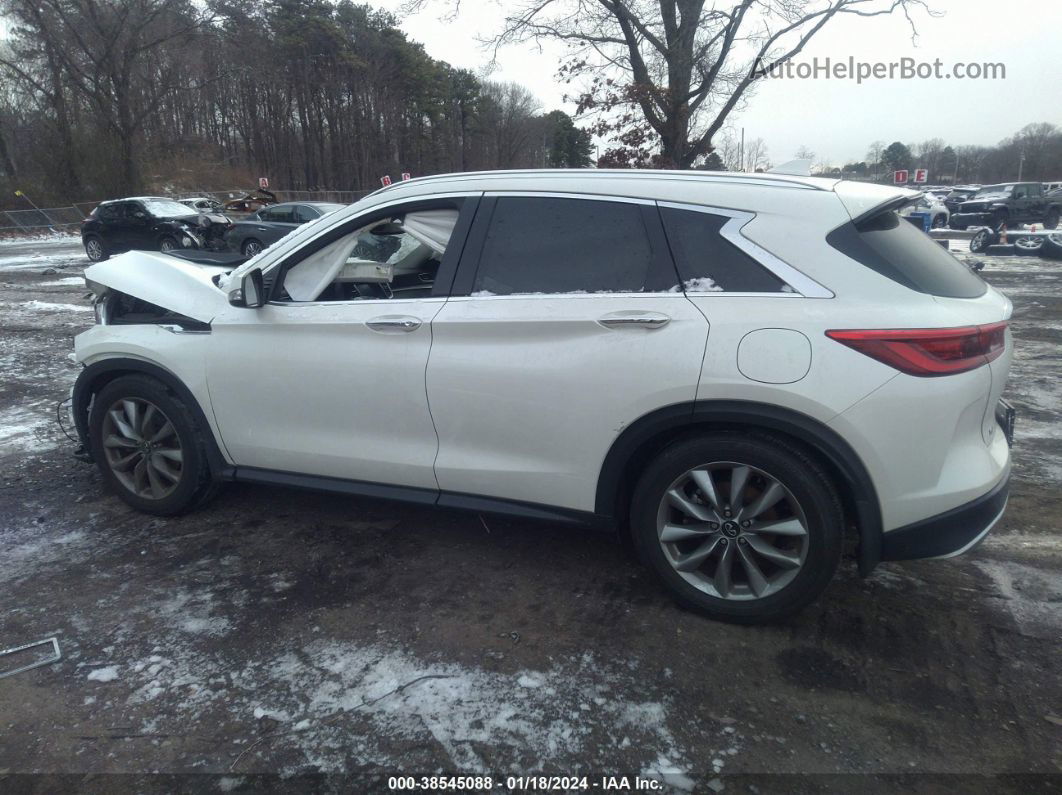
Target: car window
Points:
(110, 212)
(164, 208)
(391, 259)
(707, 261)
(556, 245)
(279, 214)
(304, 214)
(1033, 191)
(897, 250)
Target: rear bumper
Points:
(950, 533)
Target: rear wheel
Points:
(939, 221)
(252, 247)
(1051, 219)
(95, 250)
(148, 446)
(741, 528)
(167, 244)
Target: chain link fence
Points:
(65, 220)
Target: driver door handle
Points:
(634, 319)
(393, 323)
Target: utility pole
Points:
(741, 155)
(1021, 163)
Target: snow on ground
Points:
(319, 692)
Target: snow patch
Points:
(108, 674)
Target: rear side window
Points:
(888, 245)
(707, 261)
(551, 245)
(109, 212)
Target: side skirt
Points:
(418, 496)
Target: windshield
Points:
(993, 191)
(164, 208)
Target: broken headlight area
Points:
(120, 309)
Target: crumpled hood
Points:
(178, 285)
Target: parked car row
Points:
(154, 223)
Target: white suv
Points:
(735, 369)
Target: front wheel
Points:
(1051, 220)
(148, 446)
(741, 528)
(252, 248)
(939, 221)
(168, 244)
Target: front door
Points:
(328, 378)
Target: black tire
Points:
(168, 243)
(251, 247)
(1027, 245)
(1052, 247)
(794, 470)
(982, 239)
(1051, 219)
(194, 484)
(95, 248)
(939, 221)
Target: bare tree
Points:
(676, 69)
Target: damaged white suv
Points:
(735, 369)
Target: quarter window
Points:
(555, 245)
(708, 262)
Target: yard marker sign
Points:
(385, 180)
(900, 177)
(921, 175)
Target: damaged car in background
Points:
(150, 223)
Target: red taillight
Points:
(931, 351)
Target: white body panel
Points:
(310, 388)
(529, 392)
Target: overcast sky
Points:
(839, 119)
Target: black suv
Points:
(1009, 203)
(149, 223)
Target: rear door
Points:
(273, 223)
(565, 324)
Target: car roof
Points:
(719, 188)
(136, 199)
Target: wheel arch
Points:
(98, 374)
(647, 436)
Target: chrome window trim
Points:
(542, 194)
(803, 284)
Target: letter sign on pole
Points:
(263, 182)
(900, 177)
(921, 175)
(406, 176)
(385, 180)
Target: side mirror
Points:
(251, 292)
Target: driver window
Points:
(396, 258)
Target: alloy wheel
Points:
(94, 249)
(733, 531)
(252, 249)
(1029, 243)
(142, 448)
(167, 245)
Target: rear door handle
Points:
(393, 323)
(634, 319)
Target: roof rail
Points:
(721, 177)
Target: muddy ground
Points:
(291, 634)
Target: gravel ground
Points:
(276, 635)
